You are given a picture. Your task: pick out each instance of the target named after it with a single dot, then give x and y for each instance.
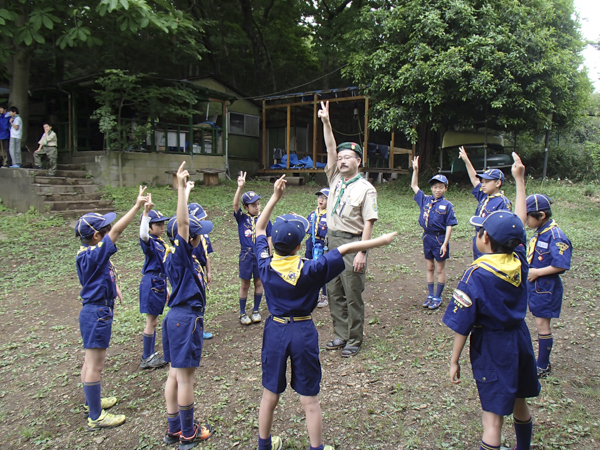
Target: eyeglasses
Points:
(345, 157)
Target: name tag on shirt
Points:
(442, 207)
(543, 245)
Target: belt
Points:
(343, 234)
(194, 309)
(435, 233)
(110, 303)
(291, 319)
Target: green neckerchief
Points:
(342, 190)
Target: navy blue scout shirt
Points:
(318, 225)
(488, 204)
(203, 249)
(436, 214)
(490, 294)
(549, 246)
(184, 275)
(247, 228)
(285, 299)
(154, 251)
(96, 272)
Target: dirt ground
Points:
(395, 394)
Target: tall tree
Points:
(28, 25)
(432, 63)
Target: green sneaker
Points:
(106, 403)
(106, 420)
(276, 443)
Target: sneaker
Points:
(328, 447)
(335, 344)
(15, 166)
(276, 443)
(173, 438)
(105, 403)
(427, 302)
(323, 302)
(435, 303)
(106, 420)
(543, 373)
(153, 361)
(201, 433)
(206, 335)
(256, 317)
(37, 167)
(245, 320)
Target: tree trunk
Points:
(427, 144)
(18, 72)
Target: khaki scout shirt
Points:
(357, 205)
(49, 140)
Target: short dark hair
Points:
(283, 249)
(506, 248)
(3, 106)
(14, 109)
(537, 215)
(102, 231)
(156, 223)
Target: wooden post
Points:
(366, 143)
(264, 134)
(315, 123)
(224, 138)
(287, 131)
(391, 154)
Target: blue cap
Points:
(197, 211)
(156, 216)
(538, 202)
(90, 223)
(250, 197)
(196, 227)
(501, 225)
(324, 191)
(492, 174)
(440, 178)
(288, 232)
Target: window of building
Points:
(244, 124)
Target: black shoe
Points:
(350, 351)
(335, 344)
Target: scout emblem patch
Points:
(562, 247)
(461, 299)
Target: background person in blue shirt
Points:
(549, 255)
(317, 231)
(97, 276)
(246, 222)
(486, 189)
(153, 286)
(490, 305)
(5, 136)
(202, 255)
(292, 290)
(437, 219)
(184, 323)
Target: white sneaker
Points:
(323, 302)
(245, 320)
(256, 317)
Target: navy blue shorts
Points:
(153, 294)
(182, 337)
(298, 341)
(432, 245)
(545, 296)
(95, 325)
(248, 265)
(504, 367)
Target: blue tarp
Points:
(376, 149)
(304, 163)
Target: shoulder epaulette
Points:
(467, 274)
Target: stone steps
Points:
(43, 189)
(71, 196)
(63, 180)
(76, 213)
(76, 205)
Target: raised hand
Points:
(324, 112)
(241, 181)
(462, 153)
(141, 199)
(415, 163)
(182, 175)
(279, 186)
(148, 205)
(518, 168)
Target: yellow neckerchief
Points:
(253, 220)
(170, 249)
(316, 221)
(287, 267)
(489, 197)
(506, 267)
(202, 268)
(433, 201)
(534, 239)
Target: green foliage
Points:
(462, 61)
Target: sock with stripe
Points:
(524, 431)
(545, 343)
(439, 289)
(186, 418)
(257, 299)
(92, 398)
(148, 350)
(174, 422)
(485, 446)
